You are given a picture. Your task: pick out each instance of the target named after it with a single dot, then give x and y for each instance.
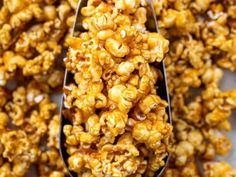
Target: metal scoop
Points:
(151, 25)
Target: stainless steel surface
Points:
(162, 85)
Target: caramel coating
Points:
(114, 81)
(202, 44)
(32, 34)
(200, 48)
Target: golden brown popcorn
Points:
(218, 169)
(53, 79)
(154, 163)
(5, 170)
(46, 107)
(151, 133)
(217, 116)
(201, 34)
(229, 97)
(15, 113)
(231, 11)
(15, 5)
(172, 172)
(40, 64)
(50, 12)
(3, 120)
(159, 6)
(219, 140)
(183, 151)
(50, 164)
(204, 108)
(20, 18)
(126, 5)
(130, 161)
(17, 146)
(73, 3)
(34, 94)
(86, 104)
(76, 162)
(181, 4)
(123, 96)
(151, 102)
(40, 38)
(92, 125)
(5, 34)
(155, 41)
(113, 123)
(13, 61)
(113, 92)
(72, 134)
(228, 61)
(27, 30)
(116, 48)
(55, 28)
(212, 74)
(200, 5)
(141, 18)
(187, 133)
(64, 10)
(4, 15)
(195, 137)
(190, 169)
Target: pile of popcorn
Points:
(202, 36)
(32, 34)
(119, 123)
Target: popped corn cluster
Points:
(31, 38)
(202, 35)
(29, 127)
(118, 122)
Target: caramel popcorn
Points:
(201, 35)
(18, 149)
(218, 169)
(50, 164)
(202, 44)
(114, 81)
(31, 35)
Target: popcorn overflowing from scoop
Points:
(114, 84)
